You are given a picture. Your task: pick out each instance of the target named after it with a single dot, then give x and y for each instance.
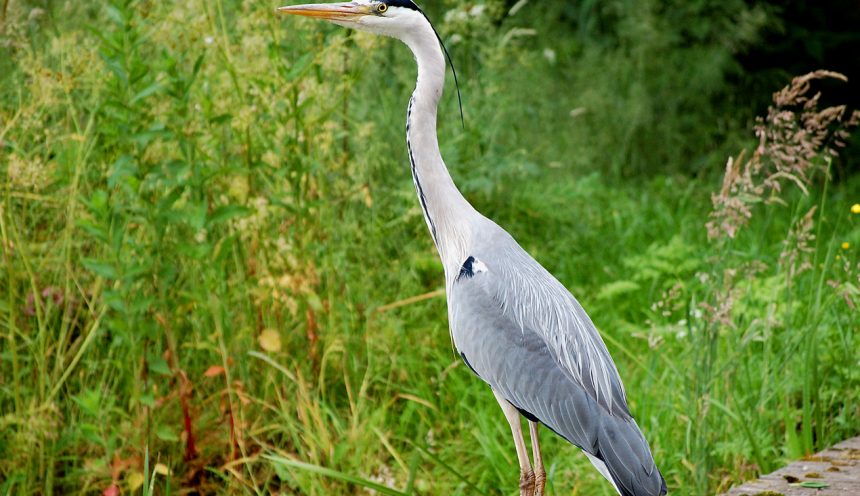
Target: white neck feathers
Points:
(447, 213)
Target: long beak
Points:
(346, 11)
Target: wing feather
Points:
(530, 296)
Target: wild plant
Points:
(797, 142)
(214, 275)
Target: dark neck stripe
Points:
(421, 198)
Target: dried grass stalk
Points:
(795, 140)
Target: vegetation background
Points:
(215, 276)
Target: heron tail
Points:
(623, 450)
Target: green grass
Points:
(178, 180)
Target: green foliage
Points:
(210, 243)
(616, 78)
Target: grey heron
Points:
(514, 324)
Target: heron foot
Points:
(540, 481)
(527, 482)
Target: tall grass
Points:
(216, 278)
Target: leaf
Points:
(334, 474)
(89, 400)
(814, 485)
(116, 68)
(178, 171)
(147, 399)
(143, 138)
(123, 168)
(165, 433)
(274, 364)
(161, 469)
(95, 230)
(99, 268)
(159, 365)
(213, 371)
(227, 212)
(197, 65)
(299, 66)
(270, 341)
(98, 203)
(115, 15)
(166, 202)
(615, 288)
(221, 119)
(195, 215)
(134, 480)
(282, 472)
(115, 300)
(314, 302)
(150, 90)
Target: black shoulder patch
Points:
(466, 269)
(471, 267)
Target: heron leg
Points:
(527, 477)
(540, 473)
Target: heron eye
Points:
(381, 8)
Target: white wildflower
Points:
(383, 477)
(455, 16)
(32, 174)
(35, 14)
(517, 6)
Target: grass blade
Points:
(334, 474)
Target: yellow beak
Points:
(346, 11)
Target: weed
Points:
(215, 276)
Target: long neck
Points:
(446, 212)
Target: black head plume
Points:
(412, 5)
(406, 4)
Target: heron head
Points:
(401, 19)
(395, 18)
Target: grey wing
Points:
(553, 367)
(530, 298)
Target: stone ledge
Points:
(837, 467)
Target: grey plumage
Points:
(526, 336)
(513, 323)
